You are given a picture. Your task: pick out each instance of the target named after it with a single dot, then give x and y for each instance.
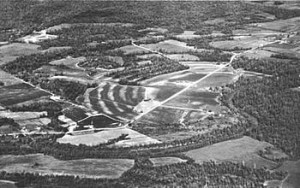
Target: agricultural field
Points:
(293, 168)
(169, 46)
(43, 164)
(243, 150)
(12, 51)
(14, 94)
(70, 62)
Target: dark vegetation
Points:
(131, 75)
(183, 175)
(67, 89)
(272, 102)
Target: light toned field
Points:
(288, 25)
(217, 79)
(258, 54)
(47, 165)
(183, 57)
(69, 62)
(188, 35)
(11, 51)
(54, 49)
(293, 168)
(170, 115)
(8, 79)
(160, 161)
(147, 56)
(21, 115)
(239, 150)
(92, 139)
(242, 42)
(169, 46)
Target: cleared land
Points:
(240, 150)
(14, 94)
(104, 135)
(11, 51)
(160, 161)
(44, 165)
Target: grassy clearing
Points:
(216, 80)
(194, 99)
(240, 150)
(187, 35)
(160, 161)
(169, 46)
(104, 135)
(46, 165)
(69, 62)
(183, 57)
(8, 79)
(99, 121)
(240, 43)
(287, 25)
(11, 51)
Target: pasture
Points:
(242, 150)
(169, 46)
(70, 62)
(183, 57)
(8, 79)
(103, 135)
(47, 165)
(160, 161)
(130, 49)
(12, 51)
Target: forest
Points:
(272, 101)
(187, 174)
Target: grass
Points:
(43, 164)
(7, 184)
(69, 62)
(293, 167)
(11, 51)
(160, 161)
(240, 150)
(216, 79)
(194, 99)
(8, 79)
(183, 57)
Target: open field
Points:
(170, 115)
(11, 51)
(217, 79)
(130, 49)
(14, 94)
(8, 79)
(240, 150)
(194, 99)
(244, 42)
(183, 57)
(69, 62)
(104, 135)
(188, 35)
(288, 25)
(160, 161)
(169, 46)
(47, 165)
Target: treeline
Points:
(175, 175)
(216, 55)
(80, 35)
(272, 102)
(47, 145)
(67, 89)
(131, 75)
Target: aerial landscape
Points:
(149, 94)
